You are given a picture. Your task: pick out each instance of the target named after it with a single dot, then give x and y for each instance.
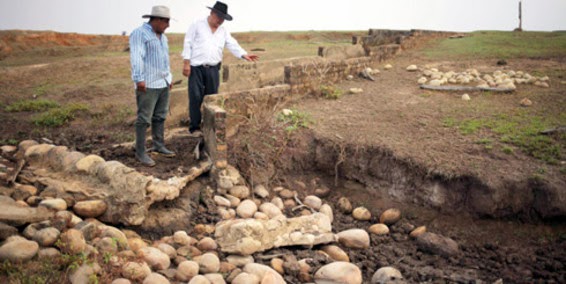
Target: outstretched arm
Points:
(234, 47)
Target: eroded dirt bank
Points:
(461, 208)
(382, 175)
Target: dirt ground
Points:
(392, 112)
(395, 113)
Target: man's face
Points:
(216, 20)
(161, 24)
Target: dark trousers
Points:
(204, 80)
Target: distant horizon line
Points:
(280, 31)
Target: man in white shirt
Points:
(202, 56)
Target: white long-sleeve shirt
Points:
(201, 46)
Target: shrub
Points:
(330, 92)
(295, 120)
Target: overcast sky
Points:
(115, 16)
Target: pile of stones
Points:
(504, 79)
(253, 221)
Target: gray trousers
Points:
(153, 106)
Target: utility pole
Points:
(520, 16)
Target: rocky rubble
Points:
(500, 79)
(87, 184)
(252, 221)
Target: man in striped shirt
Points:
(149, 57)
(202, 56)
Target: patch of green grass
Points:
(59, 116)
(12, 142)
(484, 141)
(449, 122)
(470, 126)
(330, 92)
(123, 136)
(524, 131)
(500, 45)
(32, 105)
(520, 129)
(113, 115)
(295, 120)
(41, 89)
(507, 150)
(18, 274)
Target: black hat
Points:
(222, 10)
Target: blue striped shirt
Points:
(149, 57)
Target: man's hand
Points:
(140, 86)
(186, 68)
(250, 57)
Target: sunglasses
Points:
(164, 20)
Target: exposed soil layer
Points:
(511, 250)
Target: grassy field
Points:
(500, 45)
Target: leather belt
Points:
(209, 65)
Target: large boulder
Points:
(339, 272)
(119, 193)
(17, 249)
(250, 235)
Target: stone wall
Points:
(380, 45)
(341, 51)
(393, 41)
(251, 87)
(383, 52)
(378, 37)
(308, 77)
(245, 76)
